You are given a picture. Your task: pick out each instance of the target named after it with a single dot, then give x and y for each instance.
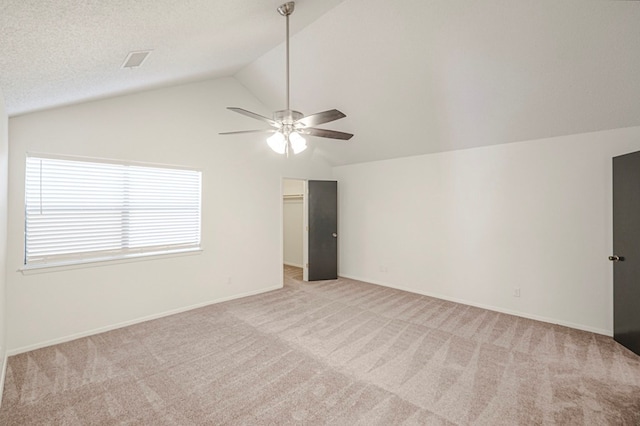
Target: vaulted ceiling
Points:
(413, 76)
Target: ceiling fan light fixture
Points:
(277, 143)
(281, 144)
(298, 143)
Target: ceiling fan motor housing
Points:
(287, 117)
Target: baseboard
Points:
(134, 321)
(293, 264)
(488, 307)
(3, 373)
(253, 293)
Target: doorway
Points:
(310, 227)
(294, 238)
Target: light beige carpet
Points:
(334, 352)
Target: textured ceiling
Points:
(65, 51)
(413, 76)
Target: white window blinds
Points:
(78, 211)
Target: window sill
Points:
(94, 263)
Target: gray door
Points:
(323, 230)
(626, 248)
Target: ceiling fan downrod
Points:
(286, 10)
(287, 117)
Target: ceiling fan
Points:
(288, 125)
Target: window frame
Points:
(121, 254)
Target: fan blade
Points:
(324, 133)
(248, 131)
(254, 115)
(320, 118)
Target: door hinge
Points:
(306, 266)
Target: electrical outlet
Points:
(516, 292)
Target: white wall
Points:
(242, 209)
(4, 145)
(475, 224)
(293, 222)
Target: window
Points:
(82, 211)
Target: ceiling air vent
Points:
(135, 59)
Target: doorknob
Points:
(334, 235)
(615, 258)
